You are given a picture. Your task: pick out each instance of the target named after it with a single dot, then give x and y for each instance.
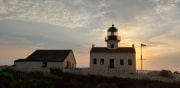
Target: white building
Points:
(43, 60)
(112, 56)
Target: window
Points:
(121, 62)
(129, 62)
(102, 61)
(112, 45)
(94, 61)
(44, 64)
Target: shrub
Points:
(166, 73)
(31, 84)
(5, 76)
(176, 72)
(56, 71)
(36, 75)
(15, 74)
(51, 76)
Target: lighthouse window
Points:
(129, 62)
(94, 61)
(102, 61)
(112, 45)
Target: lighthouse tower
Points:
(112, 38)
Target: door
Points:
(111, 63)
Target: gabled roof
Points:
(49, 55)
(118, 50)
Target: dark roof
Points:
(112, 29)
(49, 55)
(118, 50)
(20, 60)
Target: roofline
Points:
(54, 49)
(74, 57)
(40, 61)
(67, 55)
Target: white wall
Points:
(36, 66)
(55, 65)
(116, 57)
(71, 59)
(21, 66)
(28, 66)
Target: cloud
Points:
(54, 12)
(171, 38)
(36, 34)
(73, 14)
(168, 9)
(76, 14)
(155, 22)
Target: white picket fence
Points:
(145, 74)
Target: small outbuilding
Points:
(43, 60)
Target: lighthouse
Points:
(112, 56)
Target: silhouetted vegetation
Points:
(56, 71)
(176, 72)
(166, 73)
(56, 79)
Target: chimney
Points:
(133, 45)
(92, 45)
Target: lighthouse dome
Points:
(112, 29)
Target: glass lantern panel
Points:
(112, 33)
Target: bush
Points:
(49, 76)
(31, 84)
(5, 75)
(36, 75)
(56, 71)
(176, 72)
(166, 73)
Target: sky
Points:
(27, 25)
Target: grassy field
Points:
(56, 79)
